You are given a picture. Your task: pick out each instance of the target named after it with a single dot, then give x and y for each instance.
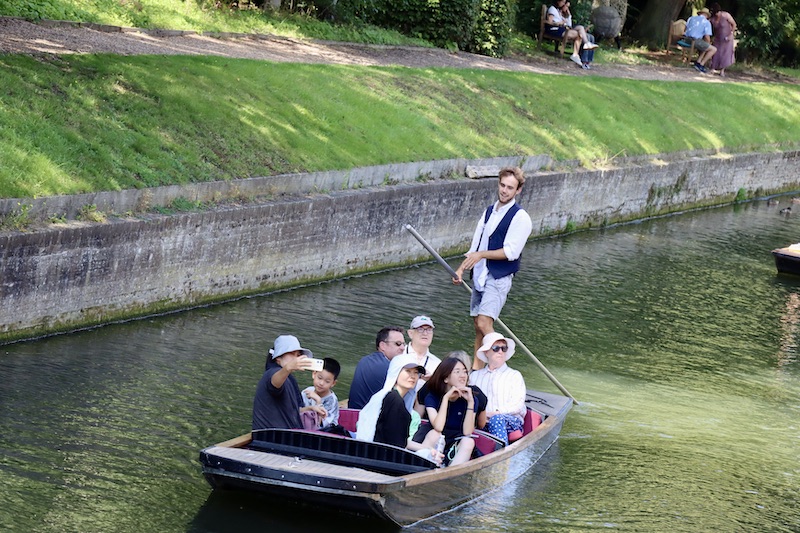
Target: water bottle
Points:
(440, 448)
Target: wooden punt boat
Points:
(377, 480)
(787, 260)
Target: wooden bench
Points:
(675, 33)
(560, 42)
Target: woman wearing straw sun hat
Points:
(504, 387)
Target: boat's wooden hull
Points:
(403, 499)
(308, 483)
(426, 495)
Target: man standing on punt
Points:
(494, 256)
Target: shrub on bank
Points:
(478, 26)
(492, 33)
(447, 24)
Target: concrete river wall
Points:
(305, 228)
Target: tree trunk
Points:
(653, 22)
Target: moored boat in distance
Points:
(373, 479)
(787, 260)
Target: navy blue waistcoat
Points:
(503, 267)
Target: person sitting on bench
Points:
(504, 387)
(698, 30)
(454, 408)
(559, 22)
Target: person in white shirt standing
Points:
(504, 387)
(494, 256)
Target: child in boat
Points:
(387, 417)
(454, 408)
(320, 393)
(504, 387)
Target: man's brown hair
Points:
(513, 171)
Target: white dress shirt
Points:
(504, 387)
(516, 237)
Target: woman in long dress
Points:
(724, 27)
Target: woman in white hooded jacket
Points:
(387, 416)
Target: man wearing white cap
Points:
(421, 335)
(504, 387)
(277, 402)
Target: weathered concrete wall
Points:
(81, 274)
(137, 200)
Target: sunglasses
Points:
(499, 349)
(396, 343)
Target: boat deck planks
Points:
(302, 466)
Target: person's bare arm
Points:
(471, 259)
(280, 377)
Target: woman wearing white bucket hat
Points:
(277, 401)
(504, 387)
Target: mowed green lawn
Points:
(103, 122)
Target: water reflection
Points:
(790, 321)
(235, 511)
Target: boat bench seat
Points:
(531, 422)
(335, 449)
(488, 443)
(348, 419)
(484, 442)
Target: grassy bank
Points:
(90, 123)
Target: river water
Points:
(675, 334)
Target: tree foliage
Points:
(769, 31)
(479, 26)
(492, 30)
(446, 23)
(652, 20)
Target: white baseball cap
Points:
(420, 321)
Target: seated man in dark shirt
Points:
(277, 402)
(371, 369)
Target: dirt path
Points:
(21, 37)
